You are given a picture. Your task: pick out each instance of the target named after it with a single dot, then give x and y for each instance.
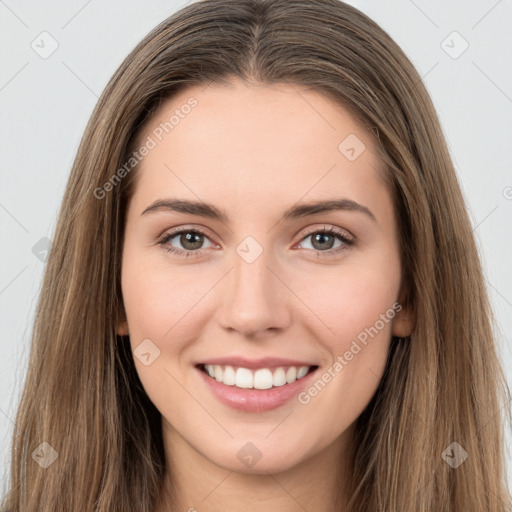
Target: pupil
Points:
(321, 237)
(187, 238)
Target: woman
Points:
(196, 345)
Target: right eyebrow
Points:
(186, 206)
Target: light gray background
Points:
(45, 105)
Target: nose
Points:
(254, 297)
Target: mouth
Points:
(260, 378)
(255, 389)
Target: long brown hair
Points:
(442, 385)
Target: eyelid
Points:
(171, 233)
(328, 227)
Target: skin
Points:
(253, 151)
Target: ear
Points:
(404, 320)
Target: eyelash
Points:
(347, 242)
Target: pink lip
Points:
(255, 400)
(265, 362)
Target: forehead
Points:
(238, 142)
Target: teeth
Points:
(229, 376)
(301, 372)
(243, 378)
(279, 378)
(262, 378)
(291, 374)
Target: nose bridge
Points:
(254, 299)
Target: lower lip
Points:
(255, 400)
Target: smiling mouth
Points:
(261, 378)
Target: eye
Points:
(190, 239)
(324, 239)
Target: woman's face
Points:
(256, 290)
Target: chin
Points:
(259, 456)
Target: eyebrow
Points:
(297, 211)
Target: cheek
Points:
(359, 353)
(158, 299)
(156, 302)
(147, 306)
(352, 299)
(356, 305)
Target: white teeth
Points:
(291, 374)
(243, 378)
(301, 372)
(279, 378)
(229, 376)
(263, 378)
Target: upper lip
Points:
(265, 362)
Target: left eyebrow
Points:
(312, 208)
(294, 212)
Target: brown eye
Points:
(190, 240)
(324, 240)
(184, 242)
